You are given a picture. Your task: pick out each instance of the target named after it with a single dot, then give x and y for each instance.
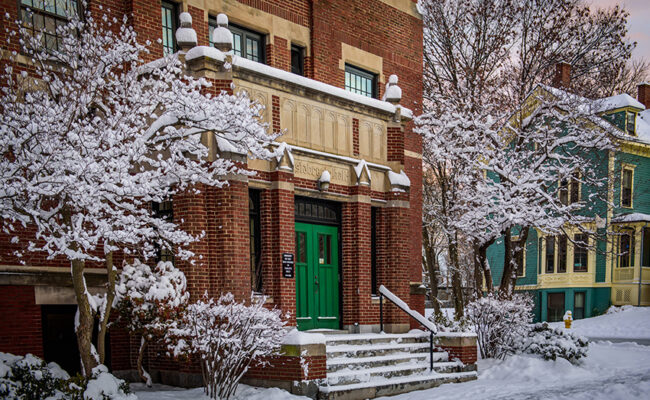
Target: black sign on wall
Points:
(287, 265)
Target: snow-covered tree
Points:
(482, 60)
(227, 336)
(149, 300)
(91, 135)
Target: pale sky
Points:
(638, 23)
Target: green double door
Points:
(317, 276)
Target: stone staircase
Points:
(365, 366)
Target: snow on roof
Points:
(211, 52)
(618, 101)
(632, 217)
(643, 118)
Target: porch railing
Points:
(383, 292)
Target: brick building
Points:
(343, 202)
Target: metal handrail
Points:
(388, 294)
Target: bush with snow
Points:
(500, 323)
(445, 324)
(30, 378)
(149, 300)
(227, 337)
(551, 343)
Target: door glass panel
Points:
(324, 249)
(301, 247)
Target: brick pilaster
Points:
(355, 232)
(278, 236)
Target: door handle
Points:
(316, 280)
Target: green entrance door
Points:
(317, 276)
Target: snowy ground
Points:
(625, 322)
(244, 392)
(612, 371)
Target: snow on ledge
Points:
(295, 337)
(399, 179)
(205, 51)
(214, 53)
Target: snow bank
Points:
(295, 337)
(618, 323)
(610, 372)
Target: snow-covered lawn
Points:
(244, 392)
(625, 322)
(612, 371)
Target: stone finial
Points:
(221, 36)
(393, 93)
(186, 35)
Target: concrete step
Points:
(336, 364)
(374, 350)
(376, 338)
(381, 386)
(348, 376)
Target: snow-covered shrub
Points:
(148, 300)
(445, 324)
(500, 323)
(551, 343)
(30, 378)
(227, 337)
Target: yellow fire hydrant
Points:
(568, 318)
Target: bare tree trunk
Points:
(111, 273)
(144, 375)
(456, 282)
(84, 328)
(482, 260)
(478, 272)
(433, 269)
(504, 287)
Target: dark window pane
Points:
(561, 253)
(579, 305)
(550, 254)
(297, 60)
(626, 196)
(555, 307)
(626, 250)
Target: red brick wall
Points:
(277, 54)
(20, 330)
(466, 354)
(290, 368)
